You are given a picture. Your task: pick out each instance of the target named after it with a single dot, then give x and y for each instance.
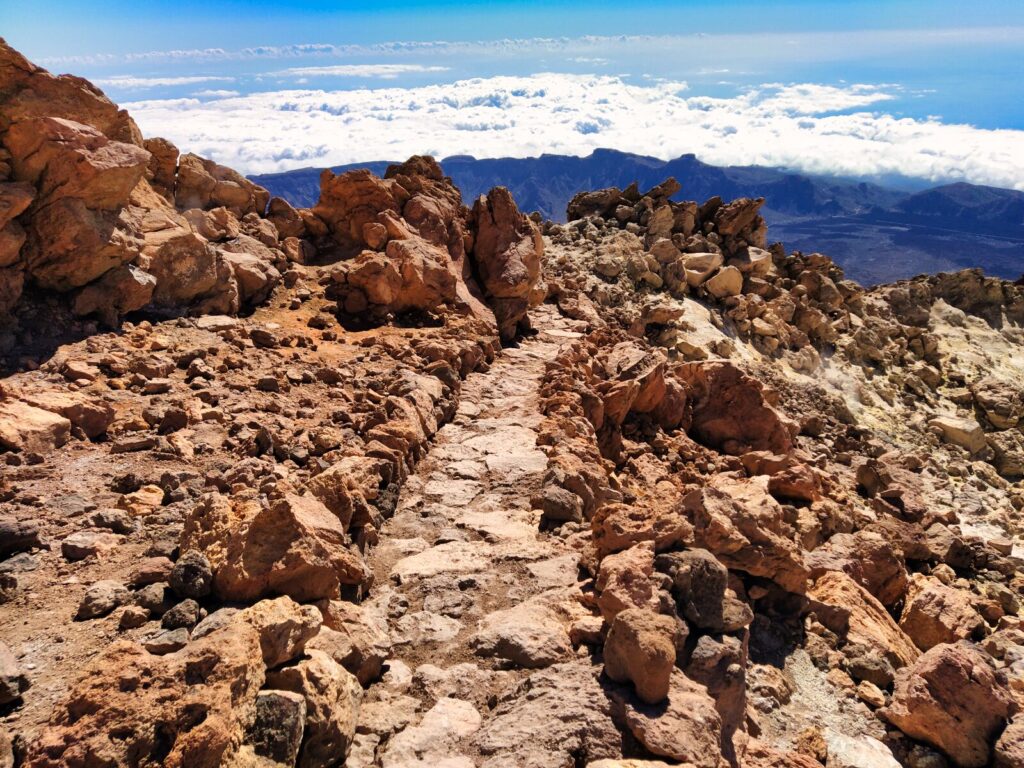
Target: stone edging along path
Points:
(474, 595)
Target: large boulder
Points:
(953, 699)
(729, 412)
(641, 648)
(24, 427)
(934, 613)
(188, 709)
(411, 274)
(745, 528)
(202, 183)
(687, 728)
(869, 558)
(295, 547)
(507, 252)
(351, 200)
(28, 91)
(332, 697)
(849, 610)
(63, 158)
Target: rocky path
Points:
(472, 591)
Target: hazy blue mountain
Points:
(878, 233)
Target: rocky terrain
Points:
(402, 480)
(877, 233)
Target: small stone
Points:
(12, 680)
(184, 614)
(870, 694)
(276, 732)
(168, 641)
(133, 616)
(102, 598)
(192, 575)
(83, 544)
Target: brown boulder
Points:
(934, 613)
(202, 183)
(332, 698)
(507, 251)
(25, 428)
(729, 410)
(28, 91)
(122, 290)
(353, 199)
(347, 487)
(163, 166)
(641, 649)
(296, 547)
(15, 198)
(68, 159)
(867, 557)
(686, 727)
(71, 244)
(952, 699)
(745, 528)
(412, 274)
(188, 709)
(625, 581)
(857, 617)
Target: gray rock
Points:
(187, 613)
(12, 680)
(168, 641)
(101, 598)
(575, 713)
(192, 575)
(18, 535)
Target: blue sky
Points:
(927, 89)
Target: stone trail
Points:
(473, 592)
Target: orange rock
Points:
(745, 528)
(187, 709)
(854, 614)
(952, 699)
(934, 613)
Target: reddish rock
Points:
(63, 158)
(856, 616)
(188, 709)
(28, 91)
(934, 613)
(295, 547)
(952, 699)
(641, 649)
(507, 252)
(745, 528)
(869, 558)
(686, 728)
(25, 428)
(729, 412)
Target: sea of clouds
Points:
(827, 129)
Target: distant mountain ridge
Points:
(876, 232)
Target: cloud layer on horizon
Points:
(808, 127)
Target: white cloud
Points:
(216, 93)
(131, 82)
(808, 127)
(383, 71)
